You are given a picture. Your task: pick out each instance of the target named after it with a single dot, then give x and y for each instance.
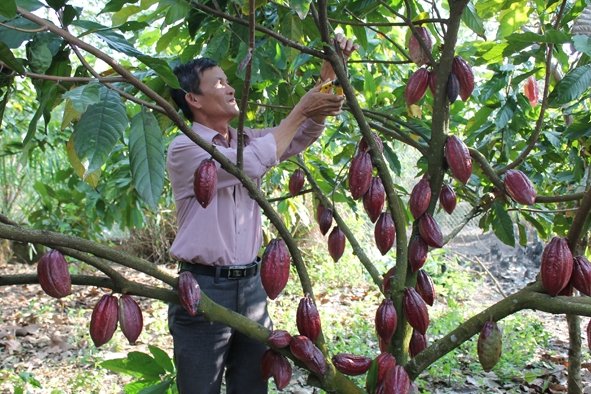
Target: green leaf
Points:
(29, 5)
(139, 385)
(534, 222)
(8, 58)
(369, 88)
(83, 96)
(502, 224)
(219, 45)
(8, 8)
(119, 365)
(33, 124)
(472, 20)
(164, 41)
(372, 376)
(162, 358)
(519, 41)
(505, 114)
(582, 44)
(580, 128)
(116, 5)
(512, 18)
(177, 11)
(571, 87)
(146, 156)
(301, 7)
(392, 158)
(160, 388)
(56, 4)
(99, 129)
(522, 234)
(475, 122)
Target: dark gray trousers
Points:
(202, 349)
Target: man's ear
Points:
(193, 100)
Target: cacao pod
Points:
(336, 243)
(130, 318)
(490, 345)
(364, 147)
(415, 310)
(458, 158)
(281, 371)
(324, 218)
(430, 232)
(280, 338)
(374, 199)
(415, 50)
(396, 381)
(189, 292)
(386, 285)
(519, 187)
(531, 91)
(386, 320)
(53, 274)
(567, 291)
(416, 86)
(432, 82)
(360, 175)
(447, 198)
(453, 87)
(103, 321)
(302, 347)
(589, 335)
(419, 198)
(581, 276)
(308, 319)
(205, 182)
(463, 71)
(351, 364)
(385, 362)
(317, 363)
(417, 253)
(418, 343)
(267, 362)
(425, 287)
(296, 182)
(557, 265)
(275, 267)
(384, 233)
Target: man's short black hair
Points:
(189, 76)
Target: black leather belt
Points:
(229, 272)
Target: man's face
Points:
(217, 98)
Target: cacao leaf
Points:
(571, 87)
(116, 5)
(8, 8)
(93, 178)
(8, 58)
(502, 224)
(83, 96)
(146, 156)
(472, 20)
(162, 358)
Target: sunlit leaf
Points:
(93, 178)
(472, 20)
(571, 87)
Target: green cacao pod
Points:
(490, 345)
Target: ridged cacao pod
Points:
(308, 319)
(324, 218)
(417, 253)
(589, 335)
(453, 87)
(205, 182)
(458, 158)
(275, 267)
(103, 321)
(432, 82)
(384, 232)
(415, 50)
(374, 199)
(189, 292)
(490, 345)
(317, 363)
(415, 310)
(420, 196)
(385, 362)
(267, 362)
(581, 276)
(430, 231)
(465, 76)
(531, 91)
(386, 320)
(418, 343)
(296, 182)
(396, 381)
(53, 274)
(364, 147)
(360, 175)
(557, 265)
(386, 285)
(425, 287)
(336, 243)
(281, 371)
(130, 318)
(567, 291)
(302, 347)
(280, 338)
(519, 187)
(448, 198)
(416, 86)
(351, 364)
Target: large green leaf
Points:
(162, 358)
(8, 8)
(472, 20)
(8, 58)
(519, 41)
(571, 87)
(505, 114)
(99, 129)
(146, 151)
(502, 224)
(160, 388)
(83, 96)
(512, 18)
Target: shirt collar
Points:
(209, 134)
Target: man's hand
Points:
(347, 47)
(318, 105)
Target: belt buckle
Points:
(236, 272)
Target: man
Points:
(219, 244)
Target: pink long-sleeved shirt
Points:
(228, 231)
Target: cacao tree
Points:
(496, 112)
